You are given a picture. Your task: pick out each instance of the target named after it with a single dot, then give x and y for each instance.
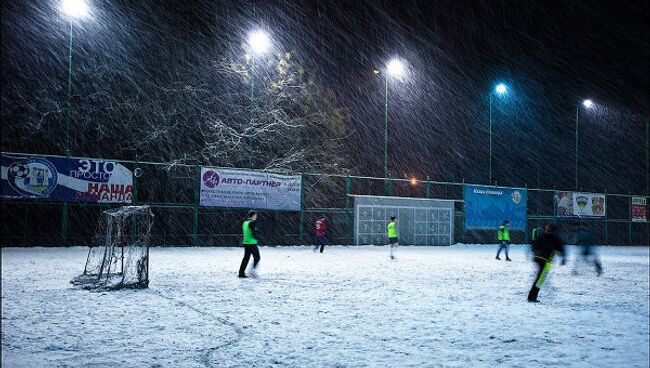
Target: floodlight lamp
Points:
(396, 68)
(75, 8)
(259, 41)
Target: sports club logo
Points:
(211, 179)
(516, 197)
(34, 177)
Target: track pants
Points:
(504, 245)
(321, 241)
(249, 249)
(543, 268)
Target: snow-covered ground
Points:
(349, 307)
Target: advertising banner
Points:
(65, 179)
(579, 204)
(249, 189)
(639, 209)
(487, 207)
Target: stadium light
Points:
(75, 8)
(414, 181)
(588, 104)
(259, 42)
(396, 68)
(499, 89)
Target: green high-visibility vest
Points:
(534, 234)
(392, 233)
(503, 233)
(249, 238)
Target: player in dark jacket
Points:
(544, 248)
(586, 239)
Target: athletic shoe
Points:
(533, 300)
(242, 276)
(508, 259)
(497, 257)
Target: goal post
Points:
(119, 255)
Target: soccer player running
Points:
(392, 235)
(321, 239)
(503, 235)
(544, 248)
(249, 228)
(586, 239)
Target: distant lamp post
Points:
(587, 104)
(396, 69)
(500, 89)
(259, 42)
(75, 9)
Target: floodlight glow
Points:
(395, 68)
(588, 104)
(75, 8)
(259, 41)
(414, 181)
(501, 88)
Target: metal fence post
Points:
(428, 187)
(135, 182)
(348, 215)
(64, 225)
(302, 208)
(606, 223)
(462, 229)
(197, 200)
(629, 232)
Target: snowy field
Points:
(349, 307)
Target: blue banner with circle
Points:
(487, 207)
(65, 179)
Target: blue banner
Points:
(65, 179)
(487, 207)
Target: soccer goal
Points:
(119, 255)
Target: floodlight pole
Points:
(386, 128)
(250, 135)
(67, 120)
(577, 125)
(490, 133)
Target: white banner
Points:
(249, 189)
(579, 204)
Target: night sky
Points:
(550, 54)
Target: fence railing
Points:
(172, 190)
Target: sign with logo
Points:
(487, 207)
(639, 209)
(65, 179)
(579, 204)
(249, 189)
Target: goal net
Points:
(119, 255)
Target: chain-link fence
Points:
(172, 190)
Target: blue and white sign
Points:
(487, 207)
(65, 179)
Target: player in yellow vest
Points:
(503, 235)
(249, 242)
(391, 230)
